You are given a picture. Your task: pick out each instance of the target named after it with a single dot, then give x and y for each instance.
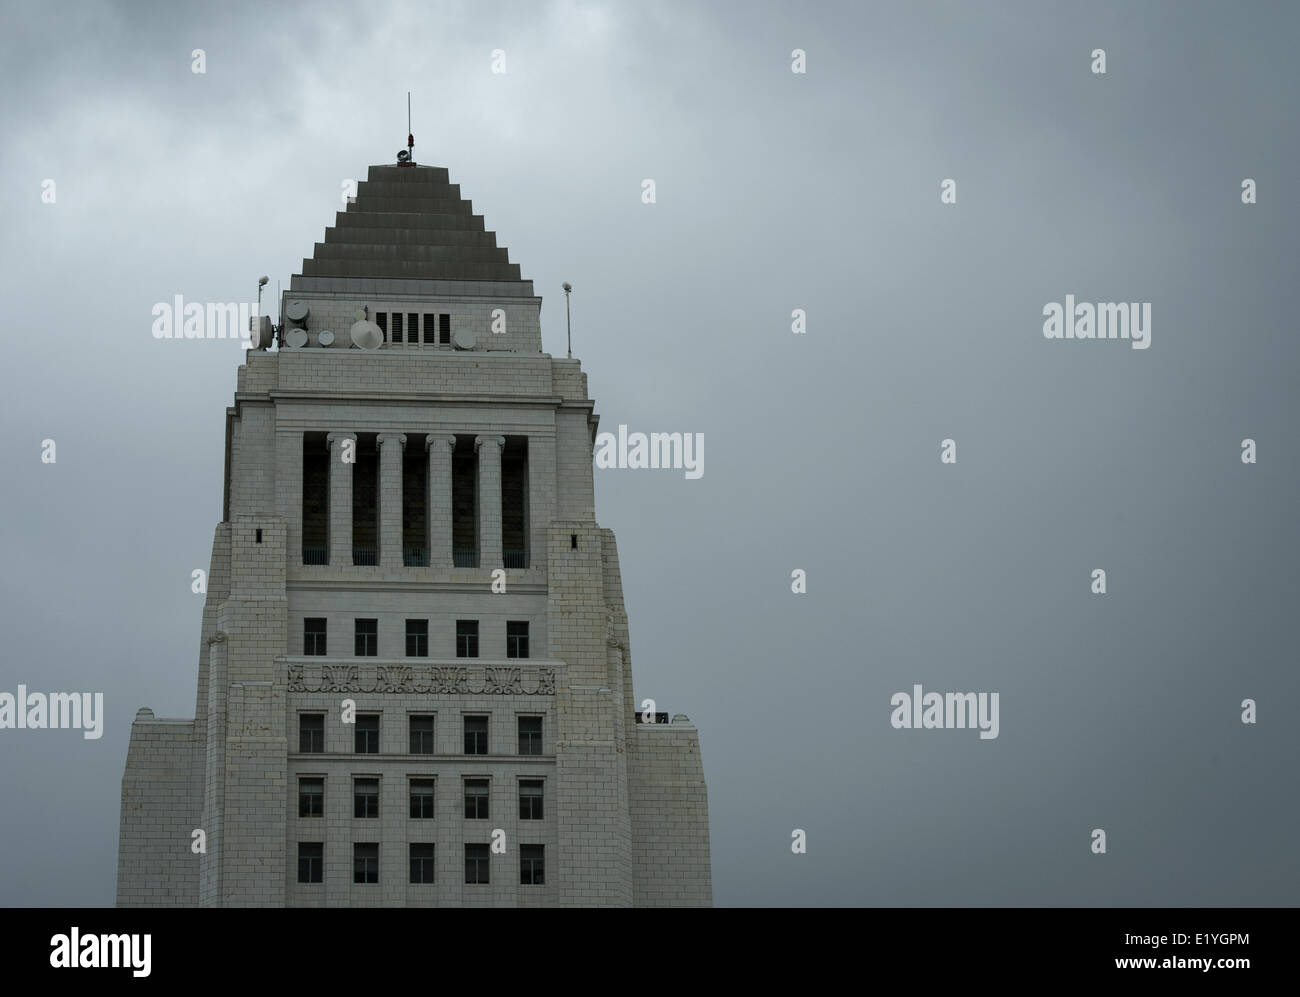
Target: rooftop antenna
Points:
(568, 318)
(406, 157)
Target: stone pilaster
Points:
(341, 498)
(438, 513)
(489, 500)
(391, 446)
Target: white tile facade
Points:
(625, 810)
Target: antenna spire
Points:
(410, 138)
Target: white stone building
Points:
(496, 756)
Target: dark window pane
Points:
(421, 735)
(367, 638)
(422, 799)
(313, 636)
(476, 863)
(530, 800)
(365, 863)
(311, 797)
(367, 734)
(532, 865)
(311, 732)
(311, 862)
(467, 638)
(417, 638)
(530, 735)
(422, 863)
(516, 638)
(476, 735)
(365, 798)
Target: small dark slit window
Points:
(259, 536)
(381, 320)
(573, 541)
(397, 327)
(430, 328)
(444, 329)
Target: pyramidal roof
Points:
(406, 223)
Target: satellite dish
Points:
(260, 331)
(366, 335)
(464, 338)
(296, 338)
(404, 156)
(297, 311)
(326, 338)
(359, 314)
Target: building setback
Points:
(495, 755)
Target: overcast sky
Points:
(775, 191)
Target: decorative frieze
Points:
(446, 680)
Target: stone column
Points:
(489, 500)
(391, 446)
(341, 497)
(438, 512)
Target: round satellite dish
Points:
(296, 338)
(464, 338)
(359, 315)
(326, 338)
(297, 311)
(260, 332)
(366, 335)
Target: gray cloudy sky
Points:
(776, 191)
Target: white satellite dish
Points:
(325, 338)
(297, 311)
(464, 338)
(260, 331)
(296, 338)
(359, 314)
(366, 335)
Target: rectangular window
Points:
(422, 735)
(412, 327)
(476, 735)
(444, 330)
(311, 797)
(422, 799)
(467, 638)
(365, 863)
(365, 797)
(516, 638)
(530, 799)
(311, 861)
(396, 323)
(311, 732)
(381, 320)
(532, 865)
(476, 864)
(367, 735)
(313, 635)
(367, 638)
(421, 863)
(476, 799)
(430, 329)
(530, 735)
(417, 638)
